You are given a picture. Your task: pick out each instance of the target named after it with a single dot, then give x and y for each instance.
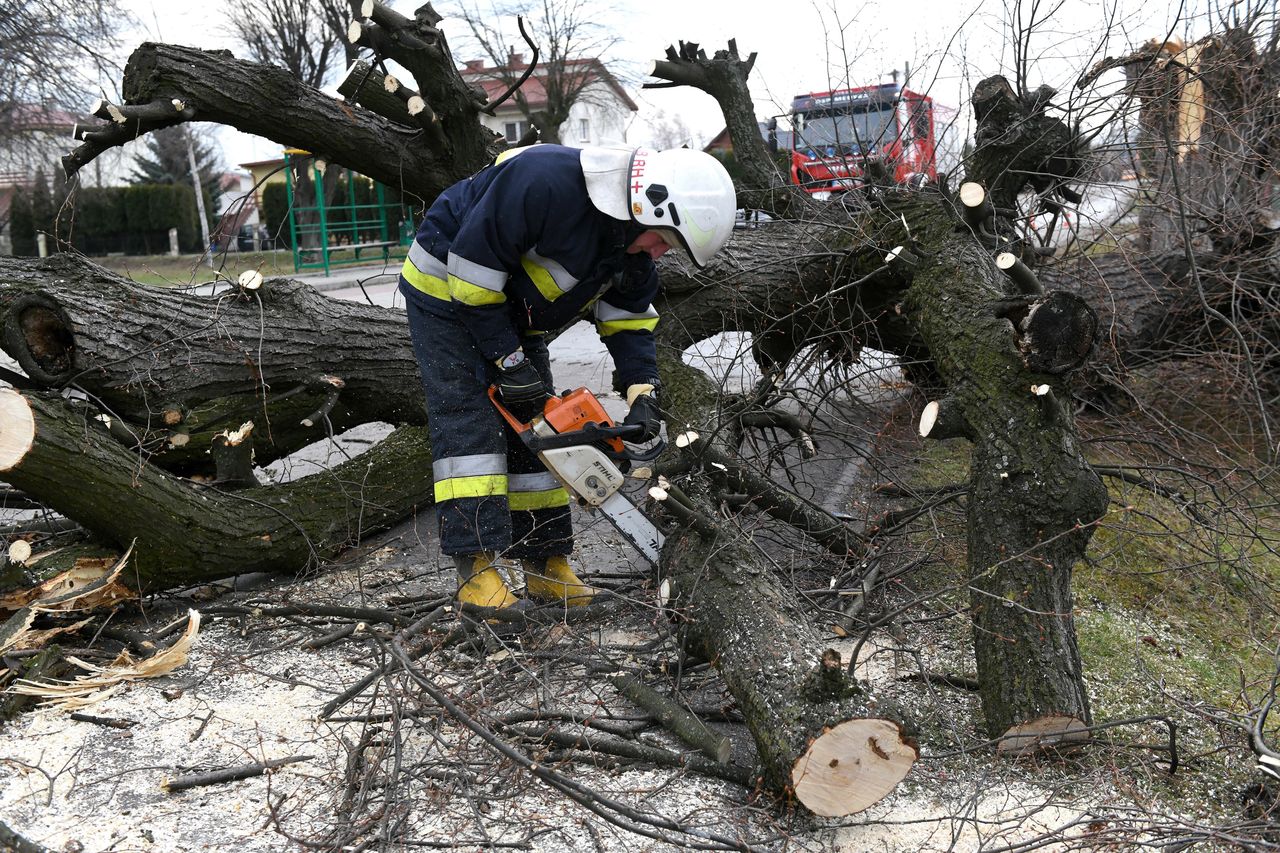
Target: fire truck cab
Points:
(844, 138)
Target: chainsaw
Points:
(585, 450)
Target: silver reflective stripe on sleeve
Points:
(427, 263)
(473, 273)
(563, 279)
(607, 313)
(469, 466)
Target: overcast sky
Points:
(949, 46)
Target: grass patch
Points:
(1161, 597)
(1195, 601)
(193, 269)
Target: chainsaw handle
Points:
(511, 419)
(588, 434)
(647, 455)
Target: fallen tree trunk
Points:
(817, 734)
(186, 533)
(214, 86)
(913, 273)
(178, 368)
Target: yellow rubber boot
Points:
(480, 584)
(553, 580)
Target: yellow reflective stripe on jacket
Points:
(548, 275)
(425, 273)
(428, 284)
(483, 486)
(542, 279)
(470, 294)
(610, 327)
(511, 152)
(475, 284)
(545, 499)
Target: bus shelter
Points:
(338, 217)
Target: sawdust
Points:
(249, 693)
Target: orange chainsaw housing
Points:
(565, 414)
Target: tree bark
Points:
(270, 102)
(919, 279)
(817, 734)
(179, 368)
(186, 533)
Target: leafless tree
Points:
(858, 516)
(53, 53)
(572, 59)
(304, 36)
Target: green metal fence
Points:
(347, 220)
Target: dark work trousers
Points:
(491, 493)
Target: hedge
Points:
(133, 219)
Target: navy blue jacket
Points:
(519, 249)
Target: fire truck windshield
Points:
(844, 130)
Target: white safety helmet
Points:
(680, 192)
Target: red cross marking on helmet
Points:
(636, 187)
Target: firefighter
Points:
(545, 235)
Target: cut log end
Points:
(853, 766)
(19, 551)
(17, 429)
(366, 9)
(686, 439)
(943, 419)
(391, 84)
(1053, 730)
(1058, 333)
(354, 31)
(972, 194)
(901, 256)
(415, 105)
(929, 418)
(250, 280)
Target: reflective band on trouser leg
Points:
(541, 523)
(470, 465)
(535, 491)
(476, 475)
(456, 488)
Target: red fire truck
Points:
(838, 136)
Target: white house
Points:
(599, 116)
(38, 139)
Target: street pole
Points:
(195, 183)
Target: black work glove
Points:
(644, 411)
(522, 391)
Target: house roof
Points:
(32, 117)
(490, 78)
(722, 142)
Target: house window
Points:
(513, 130)
(584, 130)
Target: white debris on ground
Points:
(251, 693)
